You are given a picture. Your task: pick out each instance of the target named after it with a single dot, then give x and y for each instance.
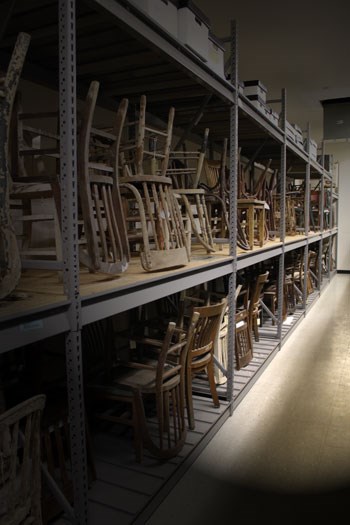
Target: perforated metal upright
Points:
(306, 215)
(282, 214)
(233, 212)
(68, 181)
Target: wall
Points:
(340, 149)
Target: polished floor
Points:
(284, 454)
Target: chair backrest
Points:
(185, 167)
(145, 150)
(257, 289)
(215, 173)
(206, 329)
(20, 474)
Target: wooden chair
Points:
(152, 391)
(252, 212)
(57, 483)
(254, 307)
(102, 233)
(20, 475)
(243, 339)
(185, 169)
(35, 191)
(155, 226)
(201, 352)
(217, 197)
(10, 269)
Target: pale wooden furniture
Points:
(252, 212)
(35, 191)
(185, 169)
(148, 395)
(20, 475)
(155, 228)
(10, 269)
(217, 197)
(102, 231)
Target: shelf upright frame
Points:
(282, 214)
(233, 213)
(307, 214)
(69, 194)
(321, 212)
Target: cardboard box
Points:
(193, 28)
(163, 12)
(255, 87)
(257, 102)
(290, 131)
(216, 55)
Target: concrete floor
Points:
(284, 455)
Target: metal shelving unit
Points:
(74, 32)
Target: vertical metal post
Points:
(233, 214)
(307, 215)
(283, 184)
(69, 194)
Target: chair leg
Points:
(255, 328)
(189, 400)
(138, 414)
(212, 384)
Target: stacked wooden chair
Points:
(35, 192)
(185, 168)
(252, 219)
(155, 228)
(102, 232)
(10, 264)
(217, 197)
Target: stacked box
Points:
(258, 102)
(299, 136)
(290, 131)
(216, 52)
(164, 12)
(272, 115)
(193, 28)
(313, 150)
(254, 88)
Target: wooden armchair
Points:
(148, 395)
(155, 228)
(10, 269)
(20, 475)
